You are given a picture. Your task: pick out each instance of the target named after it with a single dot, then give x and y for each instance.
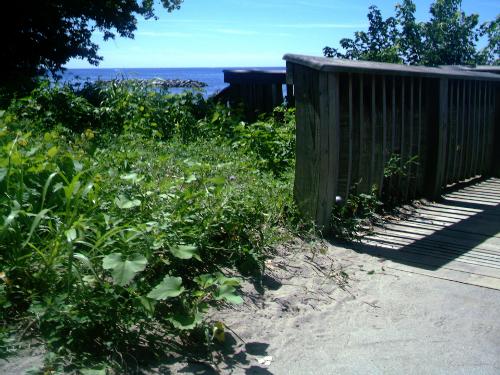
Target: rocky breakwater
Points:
(173, 83)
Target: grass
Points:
(125, 213)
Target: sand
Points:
(384, 321)
(337, 311)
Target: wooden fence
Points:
(354, 117)
(259, 91)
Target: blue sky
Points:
(239, 33)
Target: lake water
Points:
(213, 77)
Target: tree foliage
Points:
(491, 52)
(377, 44)
(39, 36)
(449, 37)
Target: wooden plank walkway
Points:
(457, 238)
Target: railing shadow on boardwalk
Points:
(463, 226)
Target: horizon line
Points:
(180, 67)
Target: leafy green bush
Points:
(115, 106)
(48, 107)
(271, 140)
(348, 218)
(135, 106)
(126, 210)
(396, 169)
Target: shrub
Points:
(125, 211)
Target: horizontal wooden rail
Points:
(260, 91)
(242, 76)
(433, 126)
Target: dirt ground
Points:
(344, 312)
(338, 311)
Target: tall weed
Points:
(125, 211)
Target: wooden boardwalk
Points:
(456, 238)
(356, 117)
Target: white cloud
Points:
(161, 34)
(340, 5)
(237, 32)
(322, 25)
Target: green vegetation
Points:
(350, 221)
(449, 37)
(126, 213)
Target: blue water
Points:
(213, 77)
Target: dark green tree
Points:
(377, 44)
(450, 37)
(409, 39)
(39, 36)
(490, 54)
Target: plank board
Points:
(352, 118)
(457, 238)
(338, 65)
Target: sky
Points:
(244, 33)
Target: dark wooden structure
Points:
(259, 91)
(487, 69)
(352, 116)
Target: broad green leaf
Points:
(223, 280)
(124, 203)
(185, 321)
(184, 251)
(132, 177)
(14, 213)
(129, 177)
(83, 259)
(191, 178)
(16, 158)
(71, 234)
(215, 117)
(87, 189)
(205, 280)
(91, 371)
(228, 293)
(52, 151)
(47, 137)
(123, 272)
(169, 287)
(148, 304)
(217, 180)
(90, 280)
(77, 166)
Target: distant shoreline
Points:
(213, 77)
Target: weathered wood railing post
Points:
(353, 116)
(495, 161)
(439, 175)
(316, 171)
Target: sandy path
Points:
(385, 322)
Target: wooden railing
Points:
(260, 91)
(353, 117)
